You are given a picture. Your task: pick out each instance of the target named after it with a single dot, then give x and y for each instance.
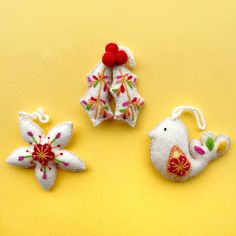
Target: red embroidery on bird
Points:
(178, 164)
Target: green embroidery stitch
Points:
(28, 156)
(88, 107)
(129, 84)
(95, 83)
(210, 143)
(122, 110)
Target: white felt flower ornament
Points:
(45, 152)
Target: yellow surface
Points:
(185, 53)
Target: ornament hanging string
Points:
(40, 115)
(201, 122)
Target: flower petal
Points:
(29, 130)
(21, 157)
(61, 134)
(68, 161)
(46, 175)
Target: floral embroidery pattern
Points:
(178, 164)
(112, 77)
(128, 100)
(45, 153)
(93, 103)
(124, 80)
(96, 100)
(127, 111)
(216, 145)
(99, 78)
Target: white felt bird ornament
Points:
(174, 156)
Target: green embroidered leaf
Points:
(132, 83)
(88, 107)
(105, 108)
(95, 83)
(138, 107)
(114, 90)
(210, 143)
(129, 84)
(122, 110)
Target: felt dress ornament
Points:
(174, 156)
(45, 152)
(113, 77)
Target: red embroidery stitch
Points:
(43, 153)
(178, 164)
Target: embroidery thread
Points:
(174, 156)
(112, 77)
(178, 164)
(45, 153)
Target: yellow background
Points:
(186, 54)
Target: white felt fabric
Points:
(128, 100)
(173, 132)
(197, 143)
(66, 129)
(15, 158)
(213, 154)
(122, 85)
(51, 172)
(69, 161)
(26, 124)
(96, 99)
(59, 135)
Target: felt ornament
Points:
(96, 101)
(45, 152)
(113, 77)
(174, 156)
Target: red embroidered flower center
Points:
(43, 153)
(178, 164)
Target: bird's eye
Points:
(165, 129)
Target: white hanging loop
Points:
(40, 115)
(201, 122)
(131, 60)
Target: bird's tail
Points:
(210, 147)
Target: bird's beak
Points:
(151, 133)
